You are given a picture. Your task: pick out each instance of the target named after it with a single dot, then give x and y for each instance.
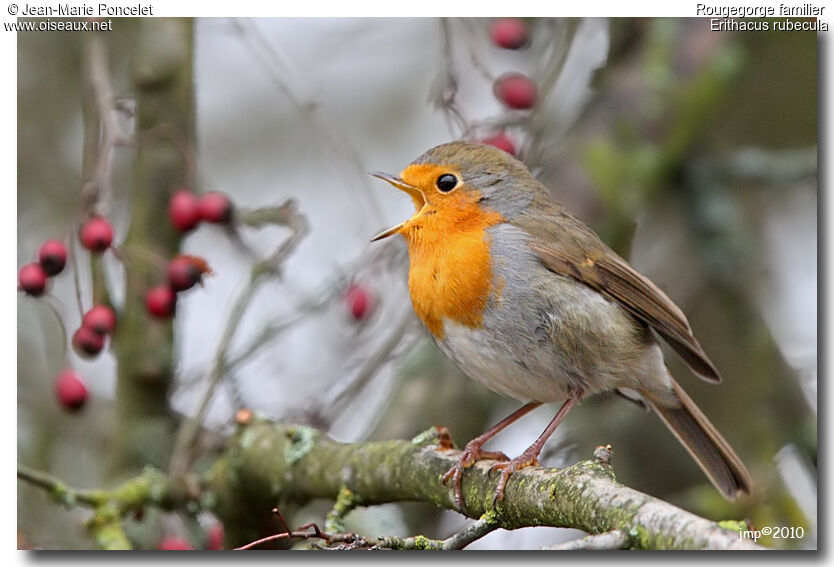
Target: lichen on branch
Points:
(268, 462)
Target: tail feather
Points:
(706, 445)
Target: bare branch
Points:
(445, 87)
(486, 524)
(615, 539)
(187, 434)
(380, 356)
(96, 192)
(57, 489)
(150, 488)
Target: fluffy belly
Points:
(522, 377)
(570, 339)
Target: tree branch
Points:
(150, 488)
(270, 462)
(615, 539)
(164, 125)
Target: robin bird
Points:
(528, 301)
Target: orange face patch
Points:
(450, 274)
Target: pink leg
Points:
(473, 451)
(529, 457)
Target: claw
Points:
(472, 453)
(507, 469)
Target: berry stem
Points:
(48, 301)
(76, 277)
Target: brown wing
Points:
(574, 250)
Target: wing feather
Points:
(589, 261)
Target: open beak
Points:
(415, 194)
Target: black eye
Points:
(447, 182)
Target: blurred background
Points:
(693, 153)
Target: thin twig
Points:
(276, 537)
(368, 371)
(554, 65)
(76, 277)
(58, 489)
(268, 333)
(316, 533)
(187, 434)
(49, 299)
(471, 42)
(615, 539)
(445, 86)
(190, 428)
(470, 533)
(96, 193)
(459, 540)
(279, 68)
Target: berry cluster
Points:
(52, 257)
(96, 324)
(514, 90)
(186, 209)
(183, 273)
(96, 235)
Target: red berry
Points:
(161, 301)
(184, 210)
(32, 279)
(96, 235)
(214, 538)
(100, 319)
(52, 257)
(87, 342)
(509, 33)
(174, 543)
(71, 391)
(215, 208)
(516, 91)
(185, 271)
(359, 301)
(501, 141)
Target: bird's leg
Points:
(473, 451)
(529, 457)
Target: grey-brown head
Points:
(453, 178)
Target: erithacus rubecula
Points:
(529, 301)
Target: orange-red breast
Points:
(529, 302)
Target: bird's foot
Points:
(526, 459)
(472, 453)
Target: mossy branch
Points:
(269, 462)
(149, 488)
